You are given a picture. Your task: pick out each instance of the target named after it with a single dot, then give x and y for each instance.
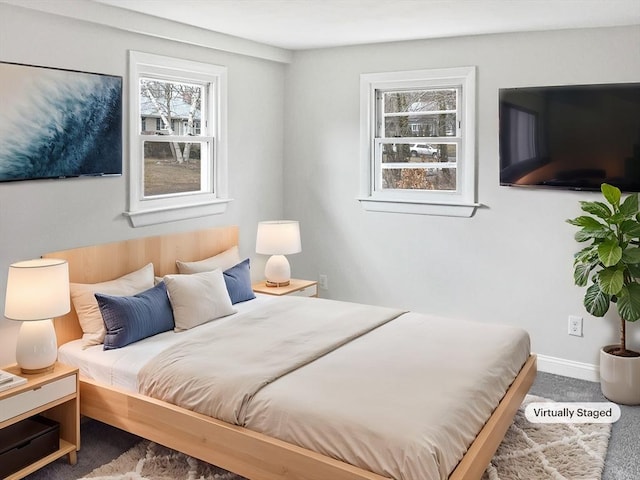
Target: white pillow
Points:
(223, 261)
(198, 298)
(86, 305)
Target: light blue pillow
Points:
(129, 319)
(238, 281)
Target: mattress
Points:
(403, 395)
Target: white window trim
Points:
(461, 203)
(148, 211)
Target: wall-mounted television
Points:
(572, 137)
(57, 123)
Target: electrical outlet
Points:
(323, 281)
(575, 325)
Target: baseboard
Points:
(568, 368)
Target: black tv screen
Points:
(573, 137)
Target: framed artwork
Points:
(58, 123)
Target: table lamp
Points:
(37, 291)
(278, 238)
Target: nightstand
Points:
(54, 395)
(301, 288)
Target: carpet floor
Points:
(102, 444)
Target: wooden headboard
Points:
(109, 261)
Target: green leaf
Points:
(596, 301)
(611, 280)
(581, 274)
(598, 209)
(587, 255)
(616, 218)
(582, 236)
(589, 234)
(630, 228)
(631, 256)
(629, 302)
(585, 221)
(634, 270)
(609, 253)
(611, 193)
(630, 206)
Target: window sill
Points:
(447, 209)
(142, 218)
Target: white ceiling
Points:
(303, 24)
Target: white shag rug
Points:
(528, 451)
(150, 461)
(550, 451)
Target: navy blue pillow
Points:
(129, 319)
(238, 281)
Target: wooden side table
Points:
(53, 394)
(303, 288)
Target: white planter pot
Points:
(620, 378)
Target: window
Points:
(418, 141)
(178, 139)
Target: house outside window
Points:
(418, 141)
(178, 142)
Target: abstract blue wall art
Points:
(58, 123)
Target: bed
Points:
(259, 450)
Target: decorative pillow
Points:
(86, 305)
(223, 261)
(238, 281)
(198, 298)
(129, 319)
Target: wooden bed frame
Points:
(239, 450)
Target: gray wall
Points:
(294, 152)
(44, 216)
(511, 262)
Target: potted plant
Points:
(610, 265)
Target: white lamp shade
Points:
(37, 290)
(281, 237)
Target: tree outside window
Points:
(175, 111)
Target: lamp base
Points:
(37, 347)
(35, 371)
(277, 284)
(277, 271)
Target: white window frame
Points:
(459, 203)
(213, 197)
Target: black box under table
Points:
(27, 441)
